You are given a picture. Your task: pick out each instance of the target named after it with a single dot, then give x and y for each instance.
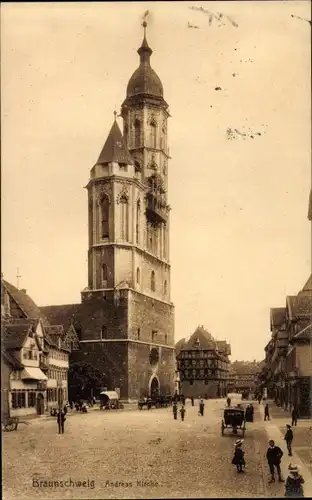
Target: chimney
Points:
(23, 290)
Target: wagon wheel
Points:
(10, 426)
(222, 428)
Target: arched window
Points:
(137, 134)
(138, 275)
(153, 135)
(138, 216)
(105, 217)
(165, 287)
(104, 272)
(153, 286)
(139, 333)
(124, 207)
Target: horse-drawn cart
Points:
(234, 418)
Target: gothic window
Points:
(137, 134)
(153, 286)
(124, 207)
(138, 275)
(153, 135)
(138, 213)
(139, 333)
(104, 272)
(105, 217)
(165, 287)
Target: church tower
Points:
(130, 333)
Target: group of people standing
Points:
(294, 482)
(183, 410)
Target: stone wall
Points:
(111, 359)
(103, 310)
(141, 370)
(150, 315)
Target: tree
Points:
(84, 379)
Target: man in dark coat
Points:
(274, 456)
(289, 438)
(201, 407)
(266, 412)
(60, 417)
(294, 416)
(175, 410)
(192, 400)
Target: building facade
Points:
(287, 372)
(126, 318)
(203, 365)
(35, 356)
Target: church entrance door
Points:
(154, 388)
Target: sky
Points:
(240, 237)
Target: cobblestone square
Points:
(134, 454)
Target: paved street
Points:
(135, 454)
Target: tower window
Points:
(137, 134)
(105, 217)
(139, 333)
(165, 287)
(103, 332)
(124, 218)
(153, 135)
(138, 275)
(153, 286)
(104, 272)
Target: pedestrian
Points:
(289, 436)
(175, 410)
(182, 411)
(294, 482)
(294, 416)
(238, 458)
(192, 400)
(259, 398)
(251, 412)
(266, 412)
(274, 456)
(201, 407)
(228, 401)
(60, 418)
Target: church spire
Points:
(115, 148)
(145, 51)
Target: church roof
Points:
(115, 148)
(308, 286)
(145, 80)
(62, 315)
(26, 304)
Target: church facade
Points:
(126, 318)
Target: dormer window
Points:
(123, 167)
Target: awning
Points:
(33, 373)
(110, 394)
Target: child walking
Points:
(238, 458)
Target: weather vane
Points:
(144, 23)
